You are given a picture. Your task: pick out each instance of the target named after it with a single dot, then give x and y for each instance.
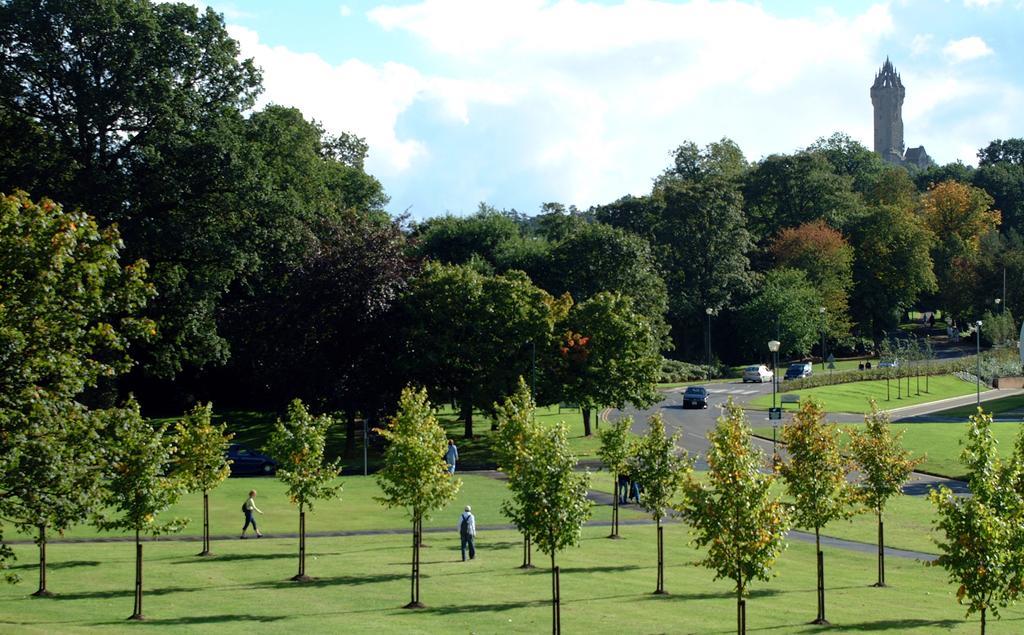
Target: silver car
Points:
(760, 374)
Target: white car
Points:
(892, 363)
(760, 374)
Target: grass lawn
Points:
(995, 406)
(362, 581)
(854, 396)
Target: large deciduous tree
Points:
(659, 465)
(736, 516)
(982, 535)
(470, 335)
(138, 462)
(785, 306)
(609, 355)
(1001, 173)
(884, 466)
(298, 445)
(415, 475)
(816, 479)
(201, 461)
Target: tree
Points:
(134, 110)
(735, 514)
(784, 307)
(201, 462)
(298, 445)
(138, 461)
(470, 335)
(51, 481)
(892, 267)
(852, 159)
(884, 465)
(983, 543)
(659, 467)
(510, 442)
(414, 475)
(816, 479)
(1001, 174)
(824, 255)
(69, 314)
(454, 240)
(609, 356)
(615, 451)
(552, 498)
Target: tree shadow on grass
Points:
(721, 595)
(235, 557)
(126, 592)
(341, 580)
(898, 626)
(59, 564)
(594, 569)
(457, 609)
(204, 619)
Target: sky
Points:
(516, 103)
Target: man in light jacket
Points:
(451, 456)
(467, 532)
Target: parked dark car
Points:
(246, 462)
(798, 370)
(695, 397)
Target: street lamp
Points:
(709, 311)
(999, 306)
(821, 311)
(977, 358)
(773, 346)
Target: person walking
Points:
(248, 507)
(623, 487)
(451, 455)
(467, 533)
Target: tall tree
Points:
(609, 356)
(982, 541)
(735, 514)
(138, 462)
(414, 475)
(615, 452)
(134, 109)
(659, 466)
(511, 444)
(455, 240)
(298, 444)
(201, 461)
(1001, 174)
(884, 465)
(785, 306)
(470, 336)
(69, 315)
(552, 497)
(816, 479)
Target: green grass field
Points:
(853, 397)
(362, 581)
(995, 406)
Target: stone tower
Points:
(887, 97)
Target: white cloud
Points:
(984, 4)
(345, 10)
(966, 49)
(922, 43)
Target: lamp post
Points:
(821, 311)
(707, 361)
(999, 305)
(773, 346)
(977, 359)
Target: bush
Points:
(933, 368)
(674, 372)
(998, 329)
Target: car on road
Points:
(695, 397)
(760, 374)
(798, 370)
(889, 363)
(248, 462)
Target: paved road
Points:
(695, 424)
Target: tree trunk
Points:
(137, 613)
(414, 601)
(741, 610)
(206, 525)
(821, 578)
(661, 561)
(586, 421)
(527, 553)
(301, 575)
(556, 599)
(42, 592)
(467, 416)
(615, 506)
(982, 620)
(881, 551)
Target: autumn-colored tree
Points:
(982, 540)
(659, 465)
(516, 425)
(884, 466)
(734, 513)
(298, 445)
(816, 479)
(201, 461)
(415, 475)
(827, 259)
(615, 451)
